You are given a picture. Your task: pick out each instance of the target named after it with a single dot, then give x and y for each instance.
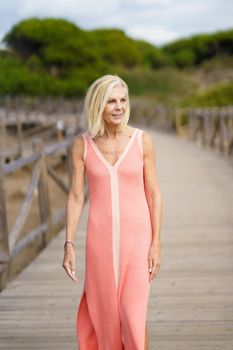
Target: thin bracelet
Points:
(68, 241)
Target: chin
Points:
(118, 119)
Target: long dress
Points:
(113, 306)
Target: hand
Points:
(69, 262)
(153, 261)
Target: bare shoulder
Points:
(147, 142)
(78, 146)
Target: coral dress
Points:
(113, 305)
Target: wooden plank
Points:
(191, 300)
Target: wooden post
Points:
(200, 117)
(2, 131)
(196, 124)
(206, 127)
(225, 130)
(190, 124)
(220, 131)
(43, 191)
(230, 126)
(178, 120)
(4, 243)
(19, 128)
(214, 119)
(60, 129)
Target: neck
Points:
(111, 132)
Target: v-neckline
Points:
(121, 157)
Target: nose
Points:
(118, 105)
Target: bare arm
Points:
(153, 194)
(74, 206)
(154, 199)
(75, 200)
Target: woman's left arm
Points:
(154, 199)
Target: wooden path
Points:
(191, 300)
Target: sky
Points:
(156, 21)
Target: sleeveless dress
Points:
(113, 307)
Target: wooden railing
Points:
(10, 244)
(33, 116)
(212, 127)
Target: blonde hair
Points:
(95, 102)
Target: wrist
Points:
(69, 243)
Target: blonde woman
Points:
(124, 220)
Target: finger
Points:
(73, 271)
(71, 274)
(158, 267)
(70, 270)
(153, 272)
(151, 275)
(150, 264)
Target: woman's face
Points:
(116, 106)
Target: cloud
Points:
(157, 35)
(157, 21)
(67, 8)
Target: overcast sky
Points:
(157, 21)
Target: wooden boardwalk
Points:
(191, 300)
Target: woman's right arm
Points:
(74, 206)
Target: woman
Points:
(124, 219)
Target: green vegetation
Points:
(219, 95)
(166, 85)
(199, 48)
(55, 57)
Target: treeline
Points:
(199, 48)
(55, 57)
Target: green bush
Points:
(58, 43)
(55, 57)
(166, 84)
(219, 95)
(198, 48)
(152, 56)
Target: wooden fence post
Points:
(2, 131)
(43, 192)
(4, 243)
(18, 112)
(220, 131)
(178, 120)
(230, 127)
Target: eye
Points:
(110, 101)
(123, 99)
